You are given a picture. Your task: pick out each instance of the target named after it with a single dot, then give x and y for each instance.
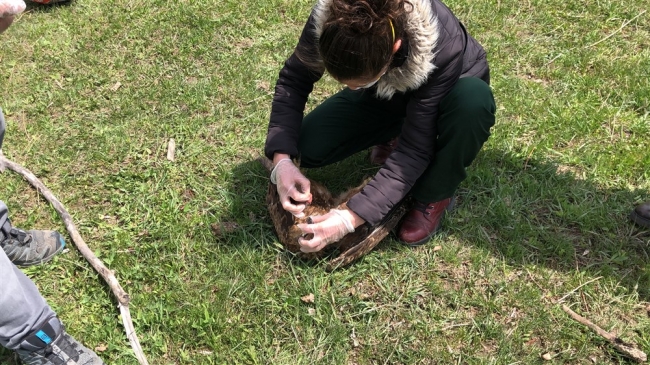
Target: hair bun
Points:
(358, 16)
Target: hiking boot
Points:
(46, 347)
(423, 221)
(31, 247)
(641, 215)
(379, 153)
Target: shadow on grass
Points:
(532, 211)
(525, 211)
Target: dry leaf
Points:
(309, 298)
(101, 347)
(437, 248)
(116, 86)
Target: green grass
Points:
(543, 211)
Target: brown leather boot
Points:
(423, 221)
(379, 153)
(641, 215)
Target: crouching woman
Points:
(416, 91)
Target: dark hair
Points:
(357, 37)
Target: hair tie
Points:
(392, 29)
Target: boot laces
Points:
(21, 236)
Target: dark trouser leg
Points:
(346, 123)
(466, 116)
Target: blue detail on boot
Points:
(44, 337)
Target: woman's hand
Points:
(293, 187)
(327, 229)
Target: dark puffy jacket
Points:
(440, 51)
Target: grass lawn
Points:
(93, 91)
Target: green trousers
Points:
(352, 121)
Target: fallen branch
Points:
(626, 349)
(122, 297)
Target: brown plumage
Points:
(351, 247)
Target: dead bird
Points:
(351, 247)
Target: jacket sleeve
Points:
(416, 147)
(294, 84)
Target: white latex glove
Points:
(293, 187)
(326, 229)
(11, 7)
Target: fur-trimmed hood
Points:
(422, 32)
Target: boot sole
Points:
(425, 240)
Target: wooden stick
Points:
(108, 275)
(626, 349)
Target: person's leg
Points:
(30, 327)
(466, 116)
(346, 123)
(22, 308)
